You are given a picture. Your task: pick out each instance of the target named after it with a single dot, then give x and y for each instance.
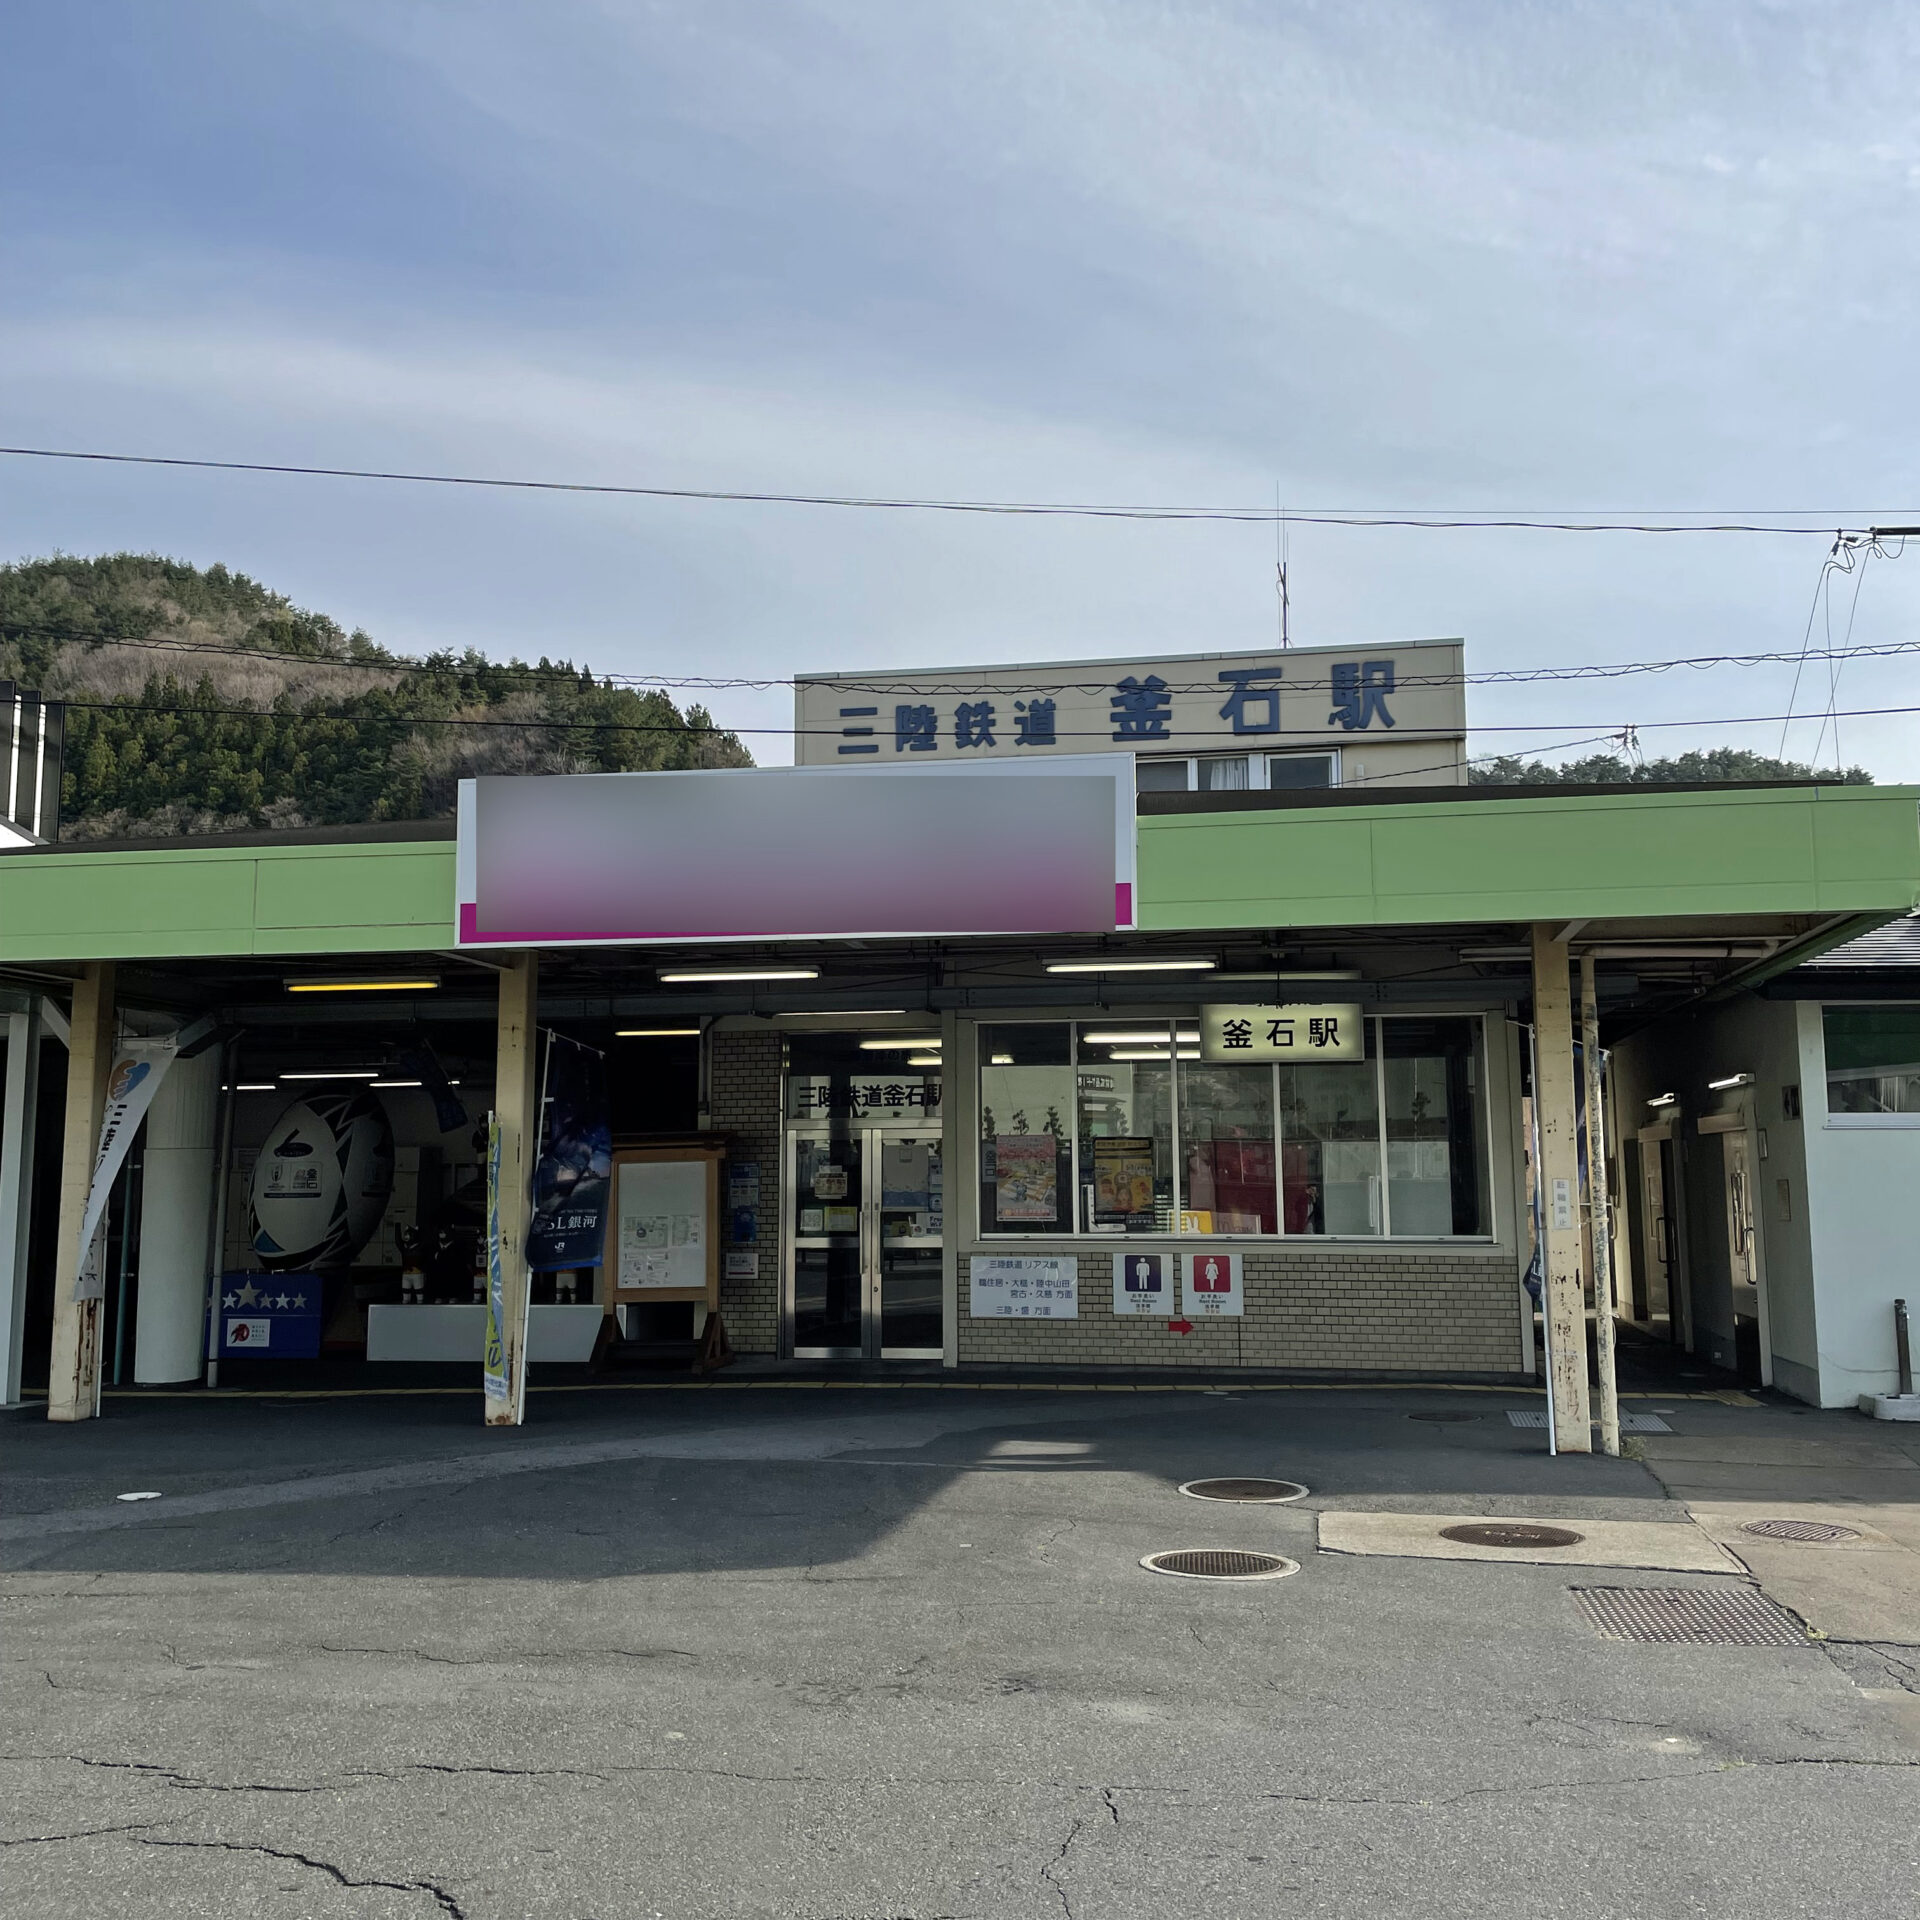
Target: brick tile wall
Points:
(744, 1104)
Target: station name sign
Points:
(1282, 1033)
(1175, 704)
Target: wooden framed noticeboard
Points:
(663, 1226)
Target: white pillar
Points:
(18, 1107)
(176, 1209)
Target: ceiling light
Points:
(1002, 1060)
(1732, 1080)
(1154, 1053)
(331, 1073)
(389, 983)
(905, 1043)
(1148, 1038)
(696, 975)
(840, 1013)
(656, 1033)
(1130, 966)
(257, 1086)
(393, 1083)
(923, 1060)
(1664, 1100)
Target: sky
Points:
(1556, 257)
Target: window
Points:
(1236, 772)
(1224, 773)
(1301, 770)
(1161, 1142)
(1160, 776)
(1026, 1104)
(1873, 1060)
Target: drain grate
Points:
(1629, 1422)
(1817, 1533)
(1689, 1617)
(1221, 1563)
(1443, 1419)
(1511, 1533)
(1260, 1493)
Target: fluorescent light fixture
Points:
(393, 1083)
(840, 1013)
(1155, 1037)
(905, 1043)
(693, 976)
(1664, 1100)
(331, 1073)
(1001, 1060)
(1130, 966)
(1732, 1080)
(923, 1059)
(656, 1033)
(257, 1086)
(387, 983)
(1154, 1053)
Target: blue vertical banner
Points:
(573, 1174)
(494, 1382)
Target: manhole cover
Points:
(1689, 1617)
(1254, 1492)
(1815, 1532)
(1221, 1563)
(1511, 1533)
(1443, 1419)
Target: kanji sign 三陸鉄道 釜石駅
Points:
(1282, 1033)
(1170, 704)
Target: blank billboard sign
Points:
(797, 852)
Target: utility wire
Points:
(454, 667)
(1457, 521)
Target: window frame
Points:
(1259, 768)
(1857, 1122)
(1489, 1236)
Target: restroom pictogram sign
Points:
(1213, 1285)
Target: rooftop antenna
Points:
(1281, 544)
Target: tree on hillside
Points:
(199, 700)
(1730, 764)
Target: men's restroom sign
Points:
(1213, 1285)
(1142, 1285)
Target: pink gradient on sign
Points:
(779, 853)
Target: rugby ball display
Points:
(322, 1181)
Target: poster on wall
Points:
(494, 1383)
(1005, 1287)
(570, 1179)
(1026, 1178)
(661, 1218)
(1213, 1285)
(1122, 1181)
(1142, 1286)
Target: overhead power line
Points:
(1126, 743)
(641, 682)
(1455, 520)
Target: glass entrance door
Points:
(866, 1222)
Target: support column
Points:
(19, 1106)
(73, 1375)
(1564, 1303)
(176, 1217)
(515, 1097)
(1599, 1210)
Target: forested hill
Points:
(200, 701)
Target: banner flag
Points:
(494, 1379)
(138, 1068)
(572, 1176)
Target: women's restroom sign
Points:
(1213, 1284)
(1142, 1285)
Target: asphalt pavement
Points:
(838, 1653)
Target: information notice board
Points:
(663, 1229)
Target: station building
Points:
(1290, 1086)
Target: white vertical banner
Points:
(496, 1383)
(1214, 1285)
(138, 1068)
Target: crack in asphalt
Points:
(509, 1659)
(435, 1892)
(82, 1833)
(1048, 1871)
